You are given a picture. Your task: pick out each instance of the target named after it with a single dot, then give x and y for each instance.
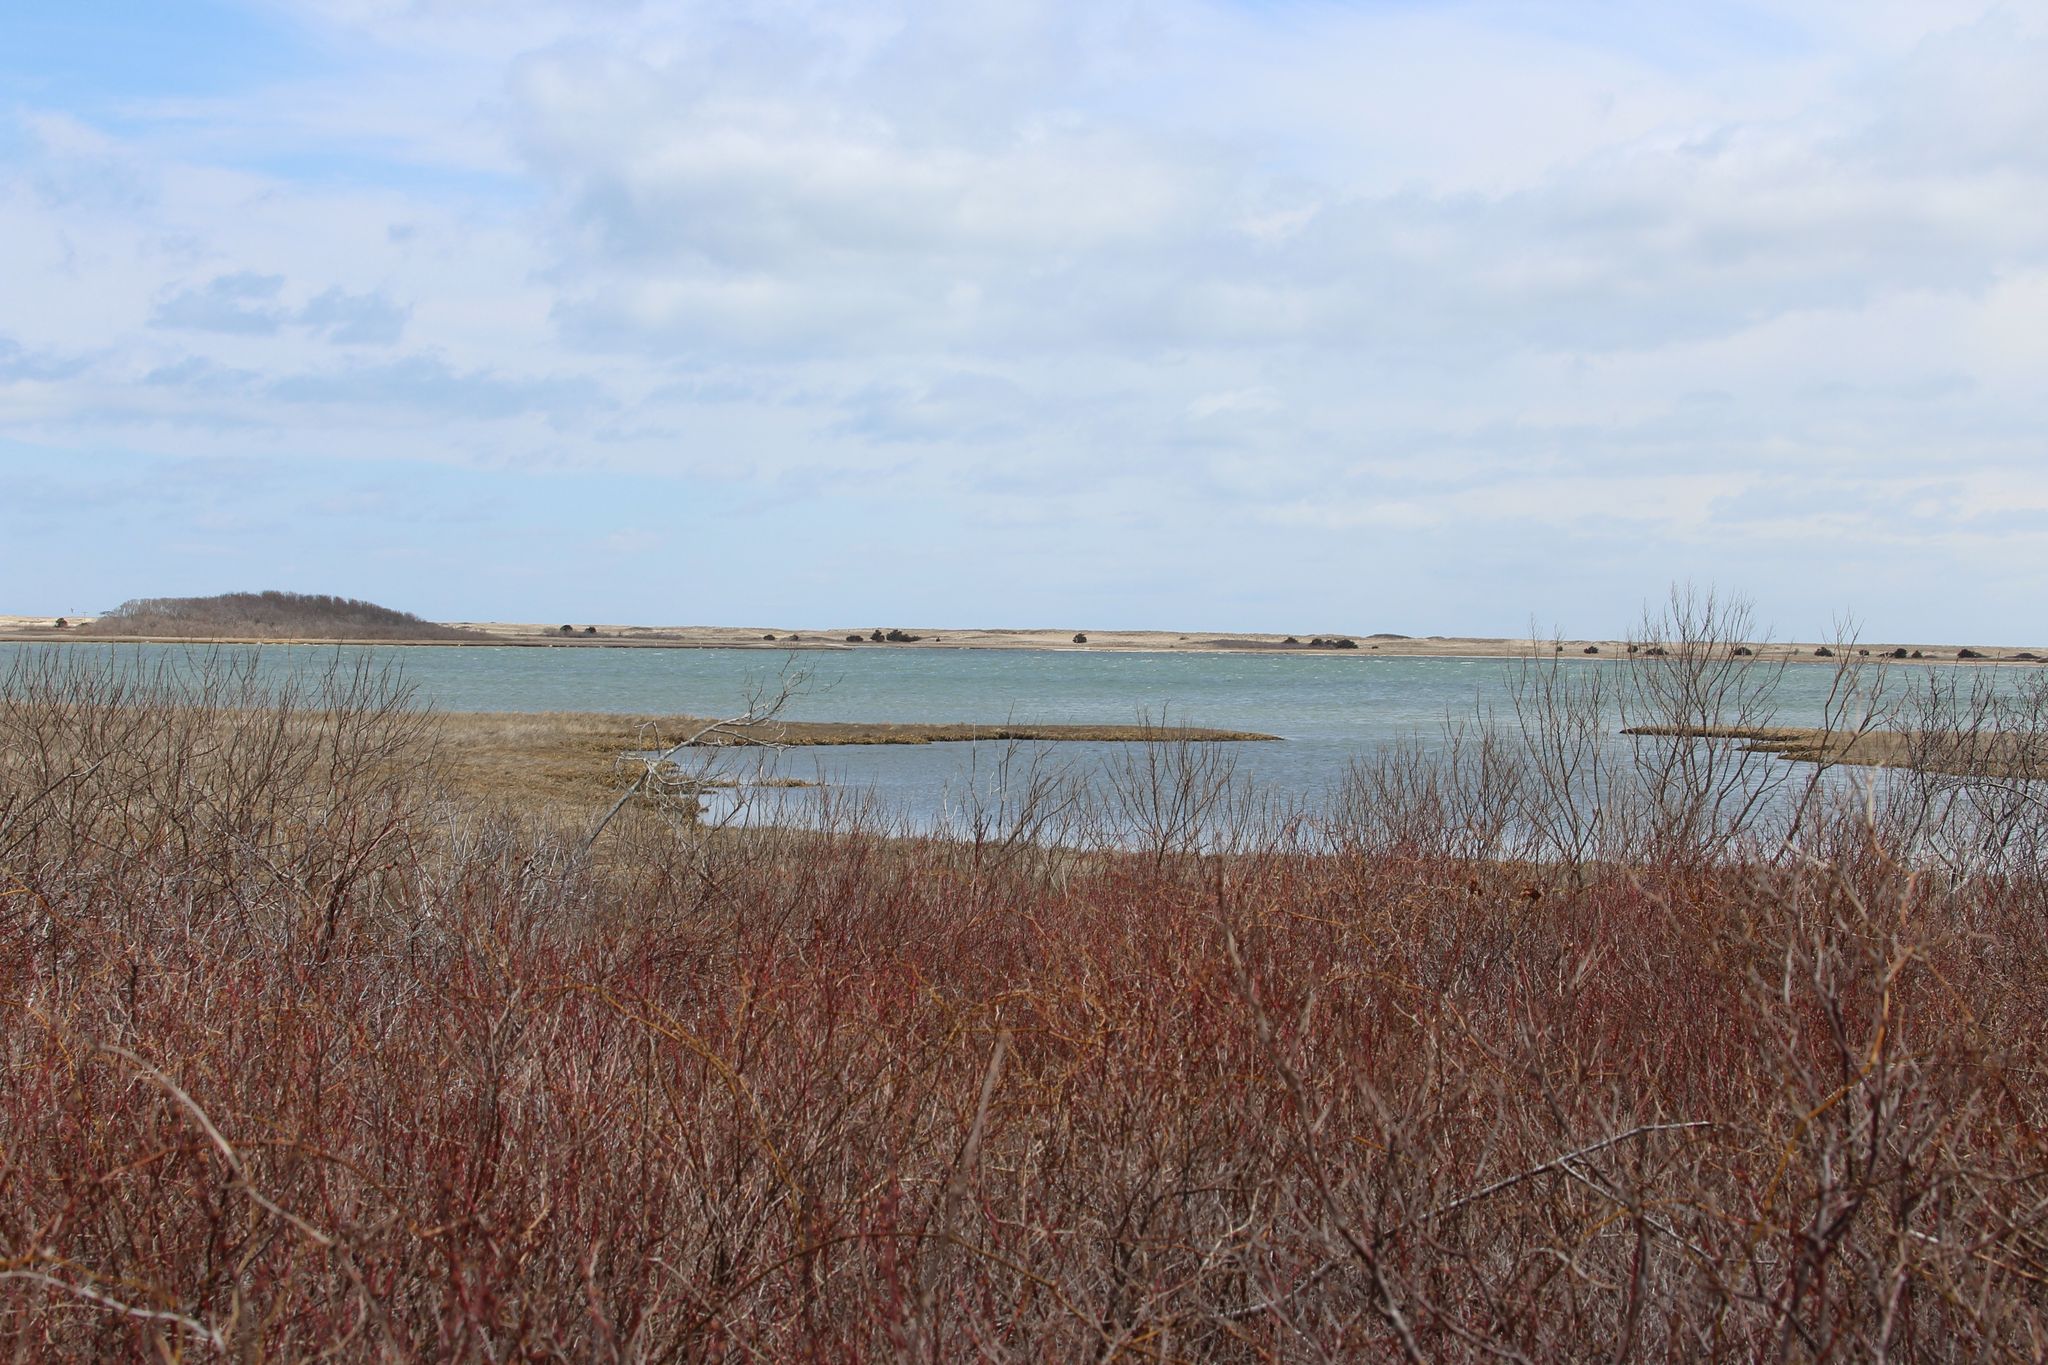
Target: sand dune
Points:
(1383, 644)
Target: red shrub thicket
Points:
(302, 1057)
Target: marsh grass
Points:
(560, 763)
(311, 1050)
(1984, 755)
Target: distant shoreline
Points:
(39, 630)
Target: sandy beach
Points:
(615, 635)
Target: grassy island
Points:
(267, 616)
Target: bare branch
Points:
(758, 712)
(1558, 1163)
(196, 1328)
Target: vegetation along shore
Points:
(298, 618)
(570, 762)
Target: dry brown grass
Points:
(569, 761)
(1956, 755)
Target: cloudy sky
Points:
(1231, 314)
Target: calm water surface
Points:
(1328, 709)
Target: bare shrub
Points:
(1179, 1089)
(274, 805)
(1456, 799)
(1174, 797)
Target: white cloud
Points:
(354, 319)
(1665, 275)
(243, 304)
(1252, 400)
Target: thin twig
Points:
(1558, 1163)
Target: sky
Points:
(1301, 315)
